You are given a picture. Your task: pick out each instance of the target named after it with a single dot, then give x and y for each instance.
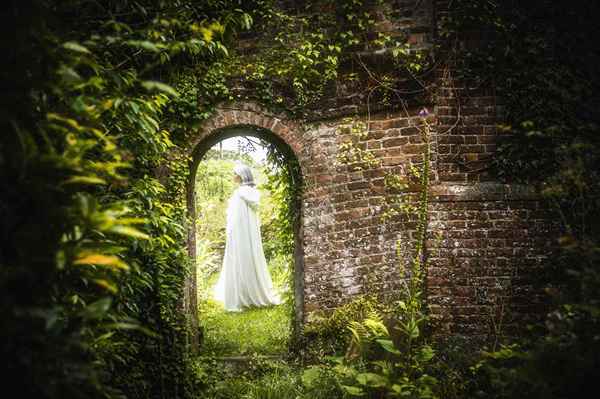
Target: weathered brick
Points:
(486, 231)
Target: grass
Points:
(264, 331)
(257, 330)
(257, 379)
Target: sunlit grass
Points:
(257, 330)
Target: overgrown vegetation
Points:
(93, 261)
(92, 257)
(540, 57)
(299, 51)
(265, 331)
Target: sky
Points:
(232, 144)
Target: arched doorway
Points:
(232, 122)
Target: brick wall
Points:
(488, 241)
(487, 249)
(348, 248)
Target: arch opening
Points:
(278, 146)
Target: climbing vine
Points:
(361, 371)
(105, 96)
(537, 56)
(297, 55)
(103, 265)
(352, 152)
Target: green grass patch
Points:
(265, 330)
(255, 379)
(257, 330)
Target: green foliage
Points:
(538, 56)
(351, 151)
(257, 378)
(280, 220)
(297, 54)
(282, 181)
(92, 256)
(376, 363)
(62, 256)
(323, 381)
(328, 334)
(214, 186)
(277, 385)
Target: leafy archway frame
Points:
(246, 119)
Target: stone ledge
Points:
(454, 192)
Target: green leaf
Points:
(52, 317)
(96, 310)
(388, 346)
(207, 34)
(428, 381)
(69, 74)
(427, 353)
(76, 47)
(345, 371)
(400, 389)
(100, 260)
(371, 380)
(124, 221)
(310, 376)
(153, 85)
(128, 231)
(131, 326)
(413, 330)
(61, 259)
(144, 44)
(107, 285)
(246, 21)
(353, 391)
(85, 180)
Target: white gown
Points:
(244, 280)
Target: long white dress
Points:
(244, 280)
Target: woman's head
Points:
(245, 174)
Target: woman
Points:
(244, 280)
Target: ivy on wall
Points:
(97, 93)
(92, 256)
(539, 57)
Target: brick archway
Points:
(251, 114)
(345, 250)
(246, 119)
